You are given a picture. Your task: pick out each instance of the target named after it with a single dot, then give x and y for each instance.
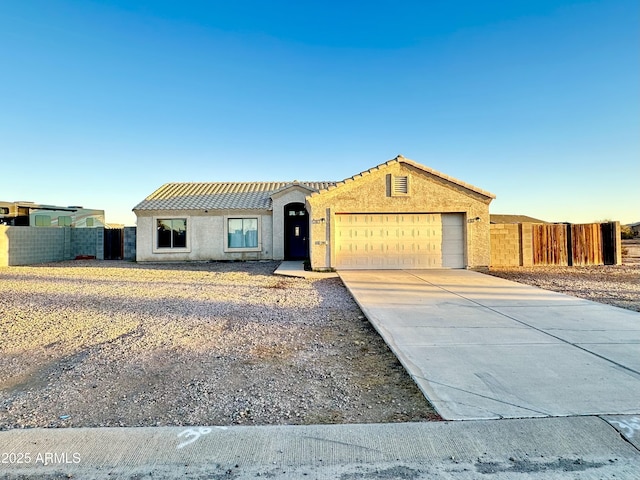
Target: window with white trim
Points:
(242, 232)
(171, 233)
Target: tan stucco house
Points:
(399, 214)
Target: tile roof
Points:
(219, 195)
(257, 195)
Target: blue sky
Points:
(536, 101)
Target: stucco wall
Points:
(279, 201)
(427, 194)
(205, 236)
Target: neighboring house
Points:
(635, 228)
(399, 214)
(506, 219)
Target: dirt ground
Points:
(617, 285)
(90, 343)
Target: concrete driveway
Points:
(481, 347)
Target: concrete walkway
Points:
(481, 347)
(588, 448)
(295, 268)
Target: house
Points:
(399, 214)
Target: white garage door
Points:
(397, 241)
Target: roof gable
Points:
(296, 185)
(219, 195)
(416, 165)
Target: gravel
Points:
(91, 343)
(617, 285)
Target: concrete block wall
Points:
(4, 246)
(506, 245)
(129, 244)
(33, 245)
(87, 241)
(511, 245)
(526, 242)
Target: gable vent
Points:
(400, 185)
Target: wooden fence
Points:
(113, 243)
(120, 243)
(586, 244)
(549, 244)
(555, 244)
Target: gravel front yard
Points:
(90, 343)
(617, 285)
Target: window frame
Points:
(154, 226)
(226, 246)
(40, 220)
(65, 221)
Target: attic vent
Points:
(400, 185)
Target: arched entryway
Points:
(296, 232)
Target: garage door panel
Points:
(452, 233)
(452, 219)
(452, 261)
(452, 240)
(400, 241)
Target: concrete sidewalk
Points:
(548, 448)
(482, 347)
